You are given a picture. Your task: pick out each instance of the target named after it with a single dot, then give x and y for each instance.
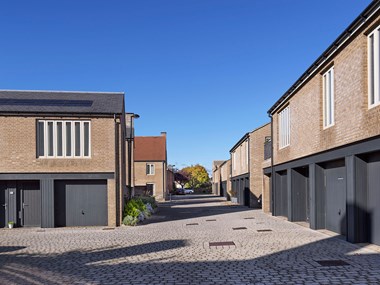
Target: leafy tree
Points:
(198, 176)
(181, 177)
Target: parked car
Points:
(189, 191)
(180, 191)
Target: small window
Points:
(374, 68)
(150, 169)
(50, 139)
(41, 138)
(150, 189)
(284, 127)
(68, 139)
(328, 98)
(59, 139)
(77, 139)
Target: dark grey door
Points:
(374, 199)
(223, 189)
(300, 194)
(247, 193)
(30, 203)
(3, 205)
(83, 202)
(335, 179)
(281, 194)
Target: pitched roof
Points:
(150, 148)
(63, 102)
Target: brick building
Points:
(150, 166)
(216, 176)
(326, 144)
(247, 158)
(62, 158)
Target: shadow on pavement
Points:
(177, 261)
(189, 207)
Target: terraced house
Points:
(62, 158)
(216, 176)
(247, 159)
(326, 137)
(150, 166)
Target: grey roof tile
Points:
(15, 101)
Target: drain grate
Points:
(221, 243)
(192, 224)
(337, 262)
(108, 229)
(249, 218)
(212, 220)
(239, 228)
(40, 231)
(264, 230)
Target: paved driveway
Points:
(174, 248)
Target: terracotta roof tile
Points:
(150, 148)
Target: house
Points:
(247, 158)
(216, 176)
(62, 158)
(225, 179)
(326, 137)
(170, 184)
(150, 166)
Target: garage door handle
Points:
(23, 205)
(82, 212)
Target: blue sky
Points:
(204, 71)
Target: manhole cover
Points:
(265, 230)
(249, 218)
(222, 243)
(192, 224)
(239, 228)
(213, 220)
(332, 262)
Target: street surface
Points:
(173, 247)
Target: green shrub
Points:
(130, 221)
(131, 210)
(149, 199)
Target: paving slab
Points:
(166, 250)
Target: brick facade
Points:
(18, 148)
(354, 121)
(256, 151)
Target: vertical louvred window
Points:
(58, 139)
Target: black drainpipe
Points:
(273, 184)
(117, 170)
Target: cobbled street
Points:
(173, 247)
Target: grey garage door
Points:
(80, 203)
(374, 198)
(336, 199)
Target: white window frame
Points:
(55, 155)
(151, 167)
(284, 127)
(154, 186)
(328, 99)
(247, 152)
(373, 74)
